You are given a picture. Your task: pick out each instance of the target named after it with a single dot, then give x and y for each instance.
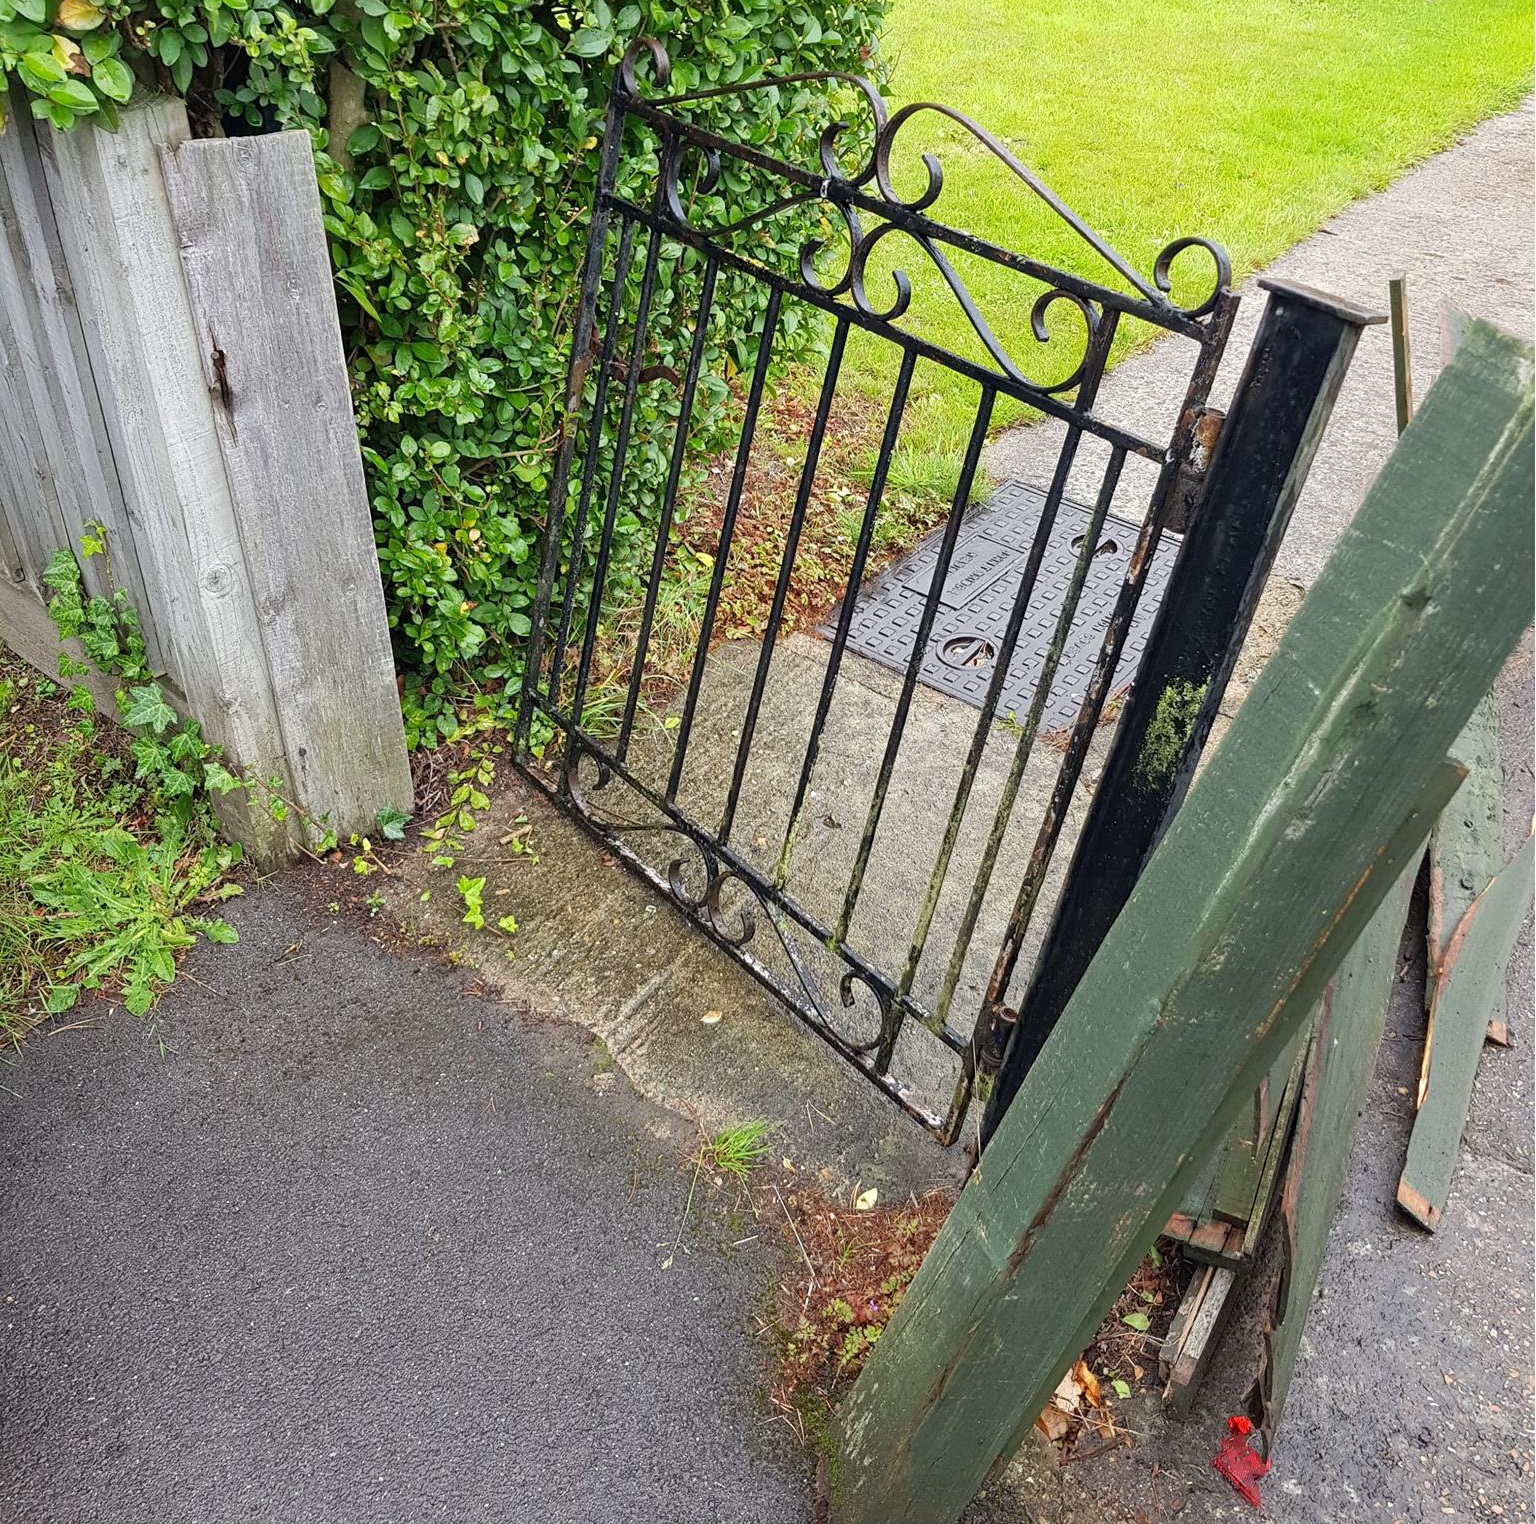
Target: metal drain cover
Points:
(978, 597)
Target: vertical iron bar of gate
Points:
(575, 386)
(1288, 388)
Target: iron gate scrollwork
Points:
(668, 792)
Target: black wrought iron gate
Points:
(760, 781)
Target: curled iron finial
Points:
(886, 129)
(672, 173)
(1162, 271)
(734, 936)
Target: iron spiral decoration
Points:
(691, 166)
(736, 925)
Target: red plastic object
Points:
(1239, 1462)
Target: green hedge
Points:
(456, 143)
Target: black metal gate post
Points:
(1291, 380)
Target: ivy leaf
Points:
(392, 823)
(146, 709)
(113, 78)
(218, 779)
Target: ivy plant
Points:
(456, 147)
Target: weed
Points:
(734, 1151)
(471, 891)
(737, 1150)
(100, 869)
(851, 1270)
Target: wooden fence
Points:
(171, 367)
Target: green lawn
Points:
(1248, 121)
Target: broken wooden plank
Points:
(1199, 1337)
(1241, 1169)
(1184, 1315)
(1320, 798)
(1223, 1213)
(1471, 979)
(1465, 851)
(1337, 1077)
(1265, 1194)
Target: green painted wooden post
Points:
(1321, 796)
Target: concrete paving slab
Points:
(599, 946)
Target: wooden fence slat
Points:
(1340, 1064)
(1465, 849)
(115, 226)
(1320, 797)
(1469, 989)
(67, 439)
(247, 214)
(35, 514)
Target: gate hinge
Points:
(1191, 478)
(992, 1034)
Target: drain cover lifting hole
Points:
(967, 652)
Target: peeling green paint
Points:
(1169, 733)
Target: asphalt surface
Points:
(362, 1248)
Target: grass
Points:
(1153, 119)
(736, 1151)
(99, 881)
(733, 1153)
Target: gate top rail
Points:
(871, 189)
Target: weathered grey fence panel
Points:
(185, 386)
(115, 224)
(247, 214)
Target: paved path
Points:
(1458, 226)
(360, 1249)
